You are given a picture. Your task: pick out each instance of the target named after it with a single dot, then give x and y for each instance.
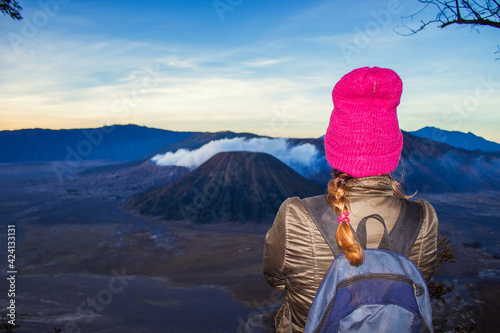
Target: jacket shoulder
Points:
(429, 212)
(292, 203)
(424, 251)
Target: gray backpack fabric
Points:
(386, 293)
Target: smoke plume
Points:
(302, 158)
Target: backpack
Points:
(387, 293)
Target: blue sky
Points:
(266, 67)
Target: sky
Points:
(262, 66)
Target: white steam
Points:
(302, 158)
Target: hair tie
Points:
(343, 217)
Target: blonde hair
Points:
(337, 197)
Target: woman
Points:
(363, 144)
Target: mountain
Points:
(457, 139)
(432, 166)
(115, 143)
(235, 187)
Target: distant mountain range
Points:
(457, 139)
(230, 187)
(132, 142)
(243, 186)
(432, 166)
(114, 143)
(427, 165)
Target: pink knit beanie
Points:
(363, 138)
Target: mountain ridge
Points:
(116, 142)
(457, 139)
(427, 165)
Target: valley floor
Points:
(84, 265)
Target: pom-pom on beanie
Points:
(363, 138)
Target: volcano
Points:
(237, 187)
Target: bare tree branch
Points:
(11, 8)
(460, 12)
(472, 22)
(475, 13)
(458, 9)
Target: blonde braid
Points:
(337, 197)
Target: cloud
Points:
(302, 158)
(181, 88)
(264, 62)
(81, 71)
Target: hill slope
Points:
(230, 187)
(457, 139)
(432, 166)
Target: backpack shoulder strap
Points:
(363, 238)
(405, 232)
(401, 238)
(325, 218)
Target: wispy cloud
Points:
(265, 62)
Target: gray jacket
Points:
(296, 257)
